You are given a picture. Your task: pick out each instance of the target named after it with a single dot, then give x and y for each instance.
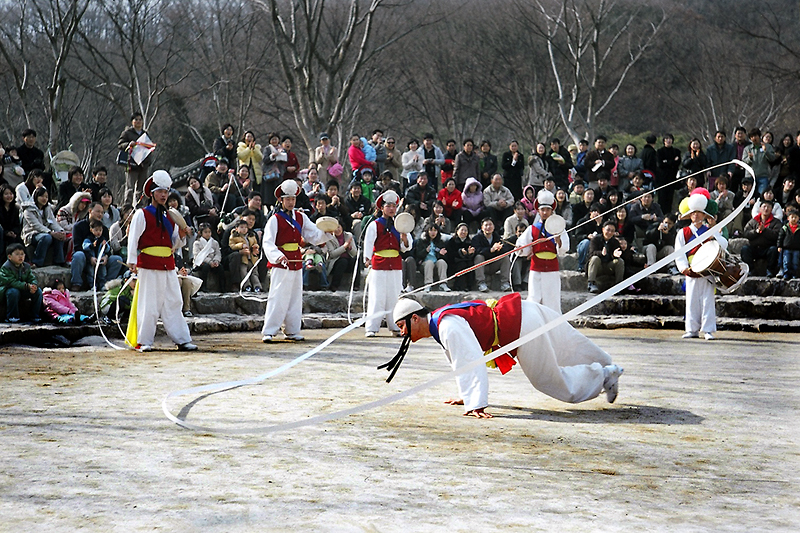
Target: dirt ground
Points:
(703, 437)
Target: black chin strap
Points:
(392, 365)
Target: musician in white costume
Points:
(561, 363)
(544, 280)
(701, 314)
(152, 238)
(281, 244)
(382, 247)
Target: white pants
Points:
(160, 296)
(285, 303)
(562, 363)
(545, 288)
(383, 290)
(700, 312)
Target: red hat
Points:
(389, 197)
(287, 188)
(544, 199)
(160, 180)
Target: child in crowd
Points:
(115, 297)
(208, 256)
(789, 243)
(528, 199)
(94, 248)
(18, 285)
(576, 194)
(59, 307)
(313, 260)
(244, 239)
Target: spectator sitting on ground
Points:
(498, 200)
(430, 253)
(364, 179)
(460, 255)
(786, 194)
(111, 214)
(645, 211)
(82, 268)
(25, 190)
(254, 204)
(218, 182)
(96, 251)
(605, 257)
(577, 189)
(208, 258)
(622, 224)
(118, 233)
(421, 195)
(660, 242)
(587, 229)
(388, 183)
(201, 204)
(789, 244)
(99, 181)
(769, 196)
(450, 197)
(73, 184)
(244, 242)
(41, 231)
(581, 209)
(488, 245)
(341, 251)
(58, 306)
(634, 261)
(518, 217)
(358, 206)
(18, 285)
(528, 199)
(74, 211)
(762, 232)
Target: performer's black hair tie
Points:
(392, 365)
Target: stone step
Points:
(733, 306)
(50, 335)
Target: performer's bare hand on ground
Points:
(454, 401)
(478, 413)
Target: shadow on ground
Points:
(624, 414)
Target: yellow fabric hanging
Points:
(132, 334)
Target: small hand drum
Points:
(711, 259)
(555, 224)
(404, 223)
(177, 218)
(327, 224)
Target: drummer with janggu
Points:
(700, 306)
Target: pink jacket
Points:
(57, 303)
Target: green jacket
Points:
(17, 278)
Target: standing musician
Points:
(382, 247)
(282, 236)
(153, 236)
(700, 311)
(561, 363)
(544, 280)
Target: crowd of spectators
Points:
(469, 205)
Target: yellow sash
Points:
(132, 335)
(387, 253)
(157, 251)
(546, 255)
(289, 247)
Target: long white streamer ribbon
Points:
(219, 387)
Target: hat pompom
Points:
(683, 208)
(703, 191)
(712, 208)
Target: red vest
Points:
(482, 319)
(288, 234)
(385, 240)
(689, 236)
(539, 264)
(155, 235)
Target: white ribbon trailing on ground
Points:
(219, 387)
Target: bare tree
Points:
(323, 49)
(592, 47)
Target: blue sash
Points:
(433, 324)
(290, 220)
(166, 221)
(385, 223)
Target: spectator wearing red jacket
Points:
(451, 199)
